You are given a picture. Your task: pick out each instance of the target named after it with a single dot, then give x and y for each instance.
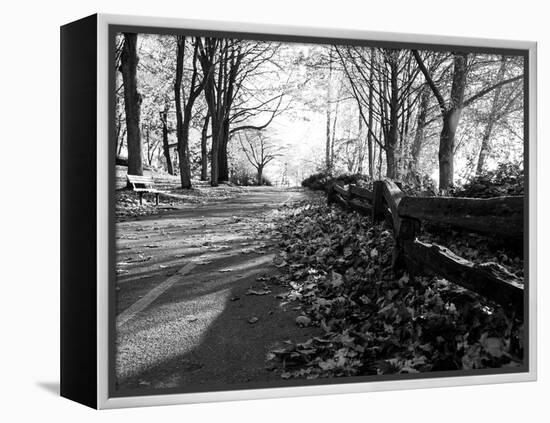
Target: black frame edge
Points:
(78, 237)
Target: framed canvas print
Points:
(254, 211)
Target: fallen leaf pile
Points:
(127, 201)
(127, 204)
(338, 270)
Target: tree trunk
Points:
(420, 127)
(208, 66)
(328, 113)
(165, 141)
(485, 147)
(182, 121)
(451, 117)
(183, 152)
(370, 129)
(446, 150)
(150, 150)
(121, 142)
(380, 154)
(491, 120)
(219, 94)
(214, 165)
(132, 103)
(118, 133)
(393, 130)
(260, 172)
(223, 172)
(390, 162)
(204, 148)
(404, 136)
(333, 137)
(185, 165)
(360, 141)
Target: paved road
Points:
(182, 310)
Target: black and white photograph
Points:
(300, 211)
(293, 211)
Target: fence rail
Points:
(502, 216)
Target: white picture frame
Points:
(103, 202)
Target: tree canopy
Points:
(199, 107)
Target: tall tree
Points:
(204, 147)
(421, 123)
(370, 118)
(497, 110)
(184, 112)
(214, 81)
(156, 72)
(450, 110)
(328, 147)
(258, 150)
(132, 103)
(382, 82)
(227, 65)
(165, 141)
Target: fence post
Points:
(330, 193)
(377, 201)
(408, 229)
(350, 194)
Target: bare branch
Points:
(430, 81)
(489, 89)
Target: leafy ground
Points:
(127, 201)
(337, 269)
(215, 324)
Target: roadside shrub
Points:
(506, 179)
(354, 178)
(266, 181)
(317, 181)
(246, 178)
(320, 181)
(242, 177)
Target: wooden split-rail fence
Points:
(501, 217)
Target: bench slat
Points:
(134, 178)
(152, 190)
(147, 184)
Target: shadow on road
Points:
(204, 333)
(232, 351)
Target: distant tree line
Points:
(216, 69)
(388, 112)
